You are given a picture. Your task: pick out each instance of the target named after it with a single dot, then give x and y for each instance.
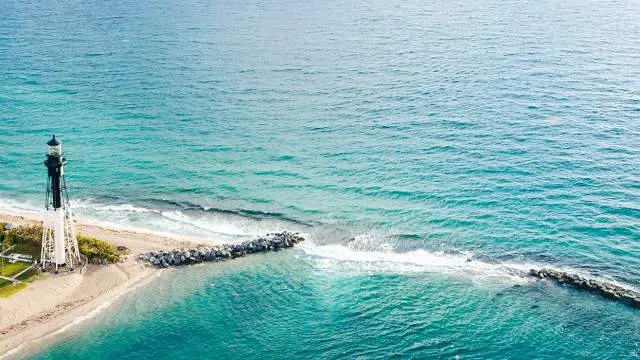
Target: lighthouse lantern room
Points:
(59, 244)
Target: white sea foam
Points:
(366, 254)
(23, 207)
(91, 314)
(102, 207)
(218, 226)
(87, 316)
(208, 226)
(78, 320)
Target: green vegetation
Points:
(27, 239)
(10, 289)
(10, 269)
(7, 288)
(98, 250)
(23, 240)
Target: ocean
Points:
(428, 150)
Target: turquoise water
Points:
(403, 138)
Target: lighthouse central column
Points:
(58, 235)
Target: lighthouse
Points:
(59, 244)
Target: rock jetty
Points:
(608, 290)
(177, 257)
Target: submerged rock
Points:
(605, 289)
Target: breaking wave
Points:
(366, 253)
(329, 248)
(185, 219)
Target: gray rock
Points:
(608, 290)
(270, 242)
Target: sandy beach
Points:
(54, 301)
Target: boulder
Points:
(270, 242)
(605, 289)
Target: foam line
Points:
(80, 319)
(88, 204)
(344, 258)
(219, 227)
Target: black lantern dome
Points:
(55, 147)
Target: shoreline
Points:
(33, 317)
(53, 303)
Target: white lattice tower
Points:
(71, 242)
(47, 255)
(59, 242)
(71, 253)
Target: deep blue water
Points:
(401, 137)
